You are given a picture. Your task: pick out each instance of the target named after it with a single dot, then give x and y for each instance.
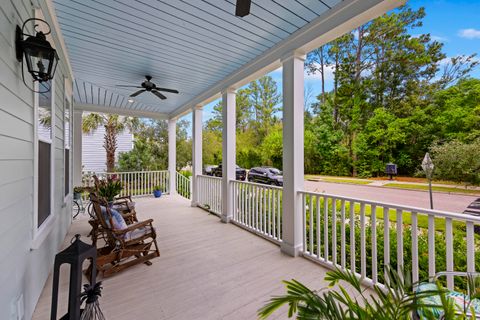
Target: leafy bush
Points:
(186, 173)
(457, 161)
(459, 242)
(109, 188)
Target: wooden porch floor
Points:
(207, 270)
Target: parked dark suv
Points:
(240, 174)
(266, 175)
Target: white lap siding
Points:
(93, 154)
(25, 263)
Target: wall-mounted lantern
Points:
(40, 57)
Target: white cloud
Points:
(469, 33)
(438, 38)
(329, 76)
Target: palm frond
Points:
(92, 122)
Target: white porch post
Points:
(293, 180)
(172, 154)
(197, 164)
(228, 152)
(77, 147)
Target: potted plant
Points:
(77, 193)
(157, 191)
(109, 188)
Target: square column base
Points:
(225, 219)
(291, 250)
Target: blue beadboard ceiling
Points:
(188, 45)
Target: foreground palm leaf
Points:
(396, 300)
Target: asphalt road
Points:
(420, 199)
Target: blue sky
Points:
(455, 23)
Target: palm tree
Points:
(114, 125)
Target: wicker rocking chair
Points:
(123, 247)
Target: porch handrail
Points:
(258, 208)
(183, 185)
(135, 183)
(335, 235)
(210, 193)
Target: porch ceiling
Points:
(191, 46)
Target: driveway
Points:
(441, 201)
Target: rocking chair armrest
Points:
(123, 199)
(134, 226)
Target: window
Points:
(45, 123)
(67, 115)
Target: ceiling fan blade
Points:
(158, 94)
(243, 8)
(126, 86)
(137, 93)
(166, 90)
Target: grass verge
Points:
(352, 181)
(434, 188)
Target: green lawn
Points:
(434, 188)
(352, 181)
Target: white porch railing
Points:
(184, 186)
(258, 208)
(363, 236)
(210, 193)
(135, 183)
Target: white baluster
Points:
(431, 245)
(470, 247)
(373, 223)
(449, 250)
(400, 263)
(343, 258)
(352, 236)
(363, 245)
(334, 230)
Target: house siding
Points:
(23, 270)
(93, 154)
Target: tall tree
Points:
(150, 150)
(114, 125)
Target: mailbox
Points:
(391, 170)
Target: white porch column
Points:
(172, 154)
(77, 147)
(197, 164)
(228, 152)
(293, 158)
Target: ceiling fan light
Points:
(130, 100)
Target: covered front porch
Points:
(206, 269)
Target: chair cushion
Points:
(117, 219)
(138, 233)
(461, 301)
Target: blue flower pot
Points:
(157, 193)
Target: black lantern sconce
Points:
(40, 57)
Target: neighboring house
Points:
(93, 153)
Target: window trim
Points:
(68, 97)
(41, 232)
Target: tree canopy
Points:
(394, 96)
